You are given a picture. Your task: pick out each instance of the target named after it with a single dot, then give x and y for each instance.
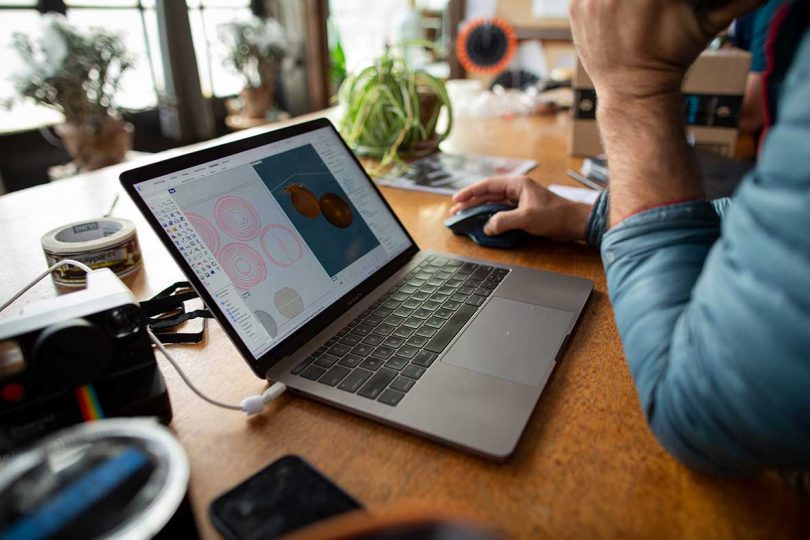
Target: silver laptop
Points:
(319, 286)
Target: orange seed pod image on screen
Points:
(336, 210)
(303, 200)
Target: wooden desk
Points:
(586, 467)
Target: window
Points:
(136, 22)
(365, 28)
(205, 16)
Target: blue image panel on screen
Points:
(318, 207)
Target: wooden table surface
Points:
(586, 466)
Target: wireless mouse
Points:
(472, 220)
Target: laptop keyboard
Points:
(382, 353)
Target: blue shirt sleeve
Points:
(715, 315)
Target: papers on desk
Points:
(576, 194)
(447, 173)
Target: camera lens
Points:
(73, 352)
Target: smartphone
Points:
(284, 496)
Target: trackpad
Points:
(512, 340)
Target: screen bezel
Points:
(130, 178)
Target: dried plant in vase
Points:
(77, 72)
(254, 49)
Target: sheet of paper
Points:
(577, 194)
(476, 9)
(557, 9)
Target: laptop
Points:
(319, 285)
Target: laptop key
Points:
(452, 304)
(413, 371)
(431, 305)
(382, 312)
(373, 320)
(382, 352)
(420, 296)
(400, 296)
(326, 361)
(339, 350)
(402, 312)
(413, 322)
(372, 363)
(373, 339)
(350, 360)
(384, 329)
(361, 330)
(458, 297)
(425, 358)
(466, 289)
(410, 304)
(451, 328)
(362, 349)
(334, 375)
(426, 331)
(403, 384)
(403, 332)
(444, 313)
(407, 351)
(313, 373)
(417, 341)
(377, 383)
(395, 320)
(483, 291)
(476, 300)
(300, 367)
(350, 340)
(391, 397)
(435, 322)
(396, 363)
(422, 313)
(394, 341)
(391, 304)
(355, 380)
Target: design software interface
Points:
(277, 233)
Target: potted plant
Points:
(77, 72)
(254, 50)
(390, 111)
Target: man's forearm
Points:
(651, 163)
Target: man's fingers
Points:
(495, 184)
(479, 200)
(505, 221)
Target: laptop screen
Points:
(278, 233)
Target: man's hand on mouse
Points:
(539, 211)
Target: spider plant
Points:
(391, 111)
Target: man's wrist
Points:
(619, 106)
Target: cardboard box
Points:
(713, 94)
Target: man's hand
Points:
(635, 49)
(539, 211)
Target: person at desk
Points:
(712, 299)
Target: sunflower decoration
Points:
(486, 45)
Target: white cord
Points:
(250, 405)
(39, 278)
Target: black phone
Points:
(284, 496)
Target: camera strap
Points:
(166, 310)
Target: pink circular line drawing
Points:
(206, 230)
(237, 217)
(243, 264)
(281, 245)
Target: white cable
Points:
(39, 278)
(250, 405)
